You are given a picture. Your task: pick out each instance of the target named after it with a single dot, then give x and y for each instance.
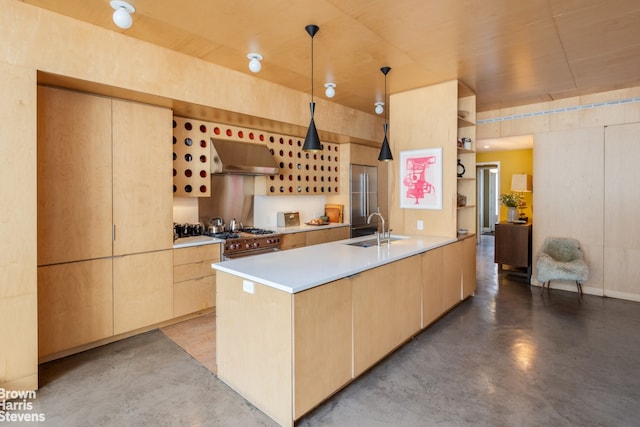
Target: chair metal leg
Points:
(545, 283)
(579, 285)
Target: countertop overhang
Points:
(297, 270)
(185, 242)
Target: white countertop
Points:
(296, 270)
(185, 242)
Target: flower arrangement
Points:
(512, 200)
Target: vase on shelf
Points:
(512, 214)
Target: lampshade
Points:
(521, 182)
(312, 141)
(385, 150)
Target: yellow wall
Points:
(511, 162)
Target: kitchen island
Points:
(294, 327)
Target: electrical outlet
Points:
(248, 286)
(420, 224)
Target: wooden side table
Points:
(513, 247)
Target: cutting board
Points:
(334, 212)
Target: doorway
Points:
(488, 179)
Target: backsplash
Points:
(265, 208)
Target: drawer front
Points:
(293, 240)
(196, 253)
(194, 295)
(193, 270)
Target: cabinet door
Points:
(372, 317)
(322, 337)
(74, 176)
(512, 244)
(407, 295)
(468, 267)
(292, 241)
(432, 285)
(142, 290)
(317, 237)
(452, 277)
(75, 305)
(142, 178)
(339, 233)
(194, 295)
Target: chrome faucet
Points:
(387, 238)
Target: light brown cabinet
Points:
(75, 304)
(194, 281)
(313, 237)
(142, 182)
(142, 290)
(451, 275)
(74, 176)
(104, 190)
(293, 240)
(468, 266)
(310, 344)
(432, 291)
(448, 276)
(373, 312)
(322, 337)
(387, 310)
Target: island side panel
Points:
(253, 344)
(323, 343)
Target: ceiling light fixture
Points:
(255, 65)
(385, 150)
(312, 141)
(379, 107)
(122, 14)
(330, 90)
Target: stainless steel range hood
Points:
(241, 158)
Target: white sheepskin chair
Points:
(562, 259)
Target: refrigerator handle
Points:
(363, 196)
(366, 195)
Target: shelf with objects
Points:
(466, 160)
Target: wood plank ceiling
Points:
(510, 52)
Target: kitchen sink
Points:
(373, 242)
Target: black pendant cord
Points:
(312, 30)
(312, 72)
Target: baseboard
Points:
(589, 290)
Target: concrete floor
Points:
(505, 357)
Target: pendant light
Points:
(312, 141)
(385, 150)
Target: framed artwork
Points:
(421, 179)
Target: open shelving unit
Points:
(466, 214)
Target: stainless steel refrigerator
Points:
(364, 199)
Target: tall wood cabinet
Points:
(104, 217)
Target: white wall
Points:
(265, 208)
(580, 182)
